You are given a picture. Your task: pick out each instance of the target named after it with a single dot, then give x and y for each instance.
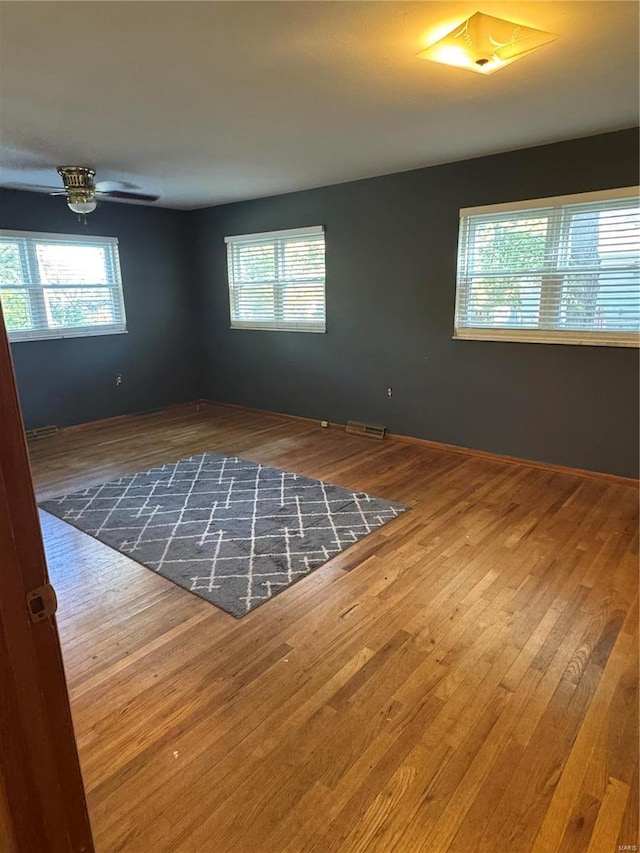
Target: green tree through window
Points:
(59, 286)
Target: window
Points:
(277, 280)
(555, 270)
(60, 286)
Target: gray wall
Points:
(72, 380)
(391, 261)
(391, 255)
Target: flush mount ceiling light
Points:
(484, 44)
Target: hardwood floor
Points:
(464, 679)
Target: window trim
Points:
(82, 332)
(546, 336)
(552, 201)
(319, 328)
(530, 335)
(63, 333)
(258, 237)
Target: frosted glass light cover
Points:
(81, 207)
(485, 44)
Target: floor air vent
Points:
(369, 430)
(41, 432)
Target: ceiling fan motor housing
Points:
(78, 182)
(77, 177)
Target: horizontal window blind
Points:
(277, 280)
(59, 286)
(564, 270)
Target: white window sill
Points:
(273, 328)
(26, 337)
(531, 336)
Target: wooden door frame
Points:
(42, 801)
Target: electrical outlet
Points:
(389, 391)
(118, 379)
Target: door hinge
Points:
(42, 602)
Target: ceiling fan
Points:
(83, 193)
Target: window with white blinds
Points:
(59, 286)
(553, 270)
(277, 280)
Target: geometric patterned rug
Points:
(231, 531)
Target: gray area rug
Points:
(231, 531)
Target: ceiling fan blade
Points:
(107, 186)
(32, 188)
(123, 194)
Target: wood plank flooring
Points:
(464, 679)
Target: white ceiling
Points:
(210, 102)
